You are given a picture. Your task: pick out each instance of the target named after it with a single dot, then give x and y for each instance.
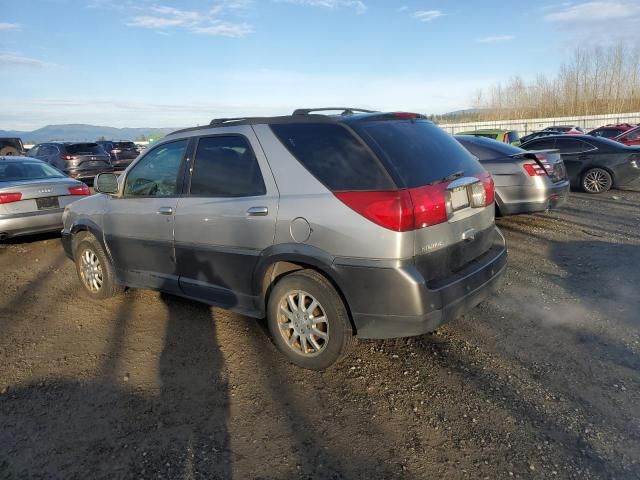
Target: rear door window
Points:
(417, 151)
(569, 145)
(541, 144)
(334, 156)
(225, 166)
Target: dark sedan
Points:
(594, 164)
(525, 181)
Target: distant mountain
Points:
(83, 133)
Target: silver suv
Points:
(361, 224)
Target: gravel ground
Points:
(541, 381)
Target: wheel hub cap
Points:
(303, 323)
(91, 270)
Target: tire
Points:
(596, 180)
(94, 269)
(294, 335)
(8, 151)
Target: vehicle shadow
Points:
(104, 427)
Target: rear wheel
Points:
(308, 320)
(94, 269)
(596, 180)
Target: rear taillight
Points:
(67, 157)
(402, 210)
(10, 197)
(429, 205)
(489, 188)
(79, 190)
(392, 210)
(534, 170)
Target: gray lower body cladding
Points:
(396, 300)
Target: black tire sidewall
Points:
(334, 309)
(584, 177)
(108, 284)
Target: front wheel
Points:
(596, 180)
(94, 269)
(308, 320)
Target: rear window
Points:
(513, 136)
(608, 132)
(419, 152)
(334, 156)
(486, 149)
(123, 145)
(84, 149)
(19, 171)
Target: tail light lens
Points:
(429, 205)
(535, 170)
(79, 190)
(402, 210)
(548, 167)
(67, 157)
(489, 188)
(10, 197)
(392, 210)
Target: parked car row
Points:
(84, 160)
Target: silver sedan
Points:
(526, 181)
(33, 195)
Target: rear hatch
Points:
(451, 193)
(125, 150)
(86, 156)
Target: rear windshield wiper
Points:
(448, 178)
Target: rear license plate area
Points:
(47, 203)
(459, 198)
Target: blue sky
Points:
(172, 63)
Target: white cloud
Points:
(4, 26)
(403, 8)
(597, 22)
(358, 5)
(594, 11)
(7, 59)
(496, 39)
(247, 92)
(428, 15)
(200, 22)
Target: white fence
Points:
(527, 126)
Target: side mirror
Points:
(106, 183)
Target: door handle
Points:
(165, 211)
(258, 212)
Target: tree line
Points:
(594, 80)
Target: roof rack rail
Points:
(345, 110)
(220, 121)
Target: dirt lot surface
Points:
(542, 381)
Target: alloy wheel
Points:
(303, 324)
(91, 270)
(596, 181)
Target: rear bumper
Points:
(395, 301)
(32, 222)
(87, 174)
(533, 199)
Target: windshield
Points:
(20, 171)
(419, 152)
